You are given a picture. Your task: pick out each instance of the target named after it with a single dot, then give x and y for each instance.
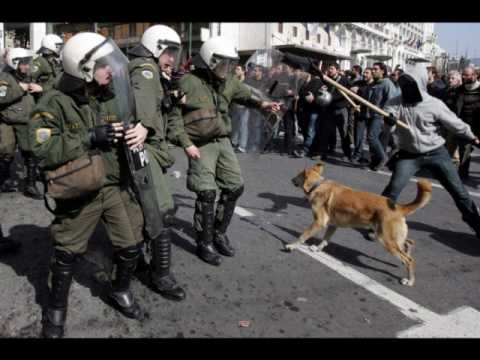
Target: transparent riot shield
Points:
(111, 67)
(271, 77)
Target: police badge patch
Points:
(3, 91)
(147, 74)
(43, 135)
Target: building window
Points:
(280, 28)
(307, 35)
(295, 31)
(318, 38)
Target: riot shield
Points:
(271, 78)
(112, 63)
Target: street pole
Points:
(189, 40)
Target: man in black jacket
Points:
(312, 112)
(335, 115)
(468, 109)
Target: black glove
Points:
(390, 119)
(101, 136)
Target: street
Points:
(352, 289)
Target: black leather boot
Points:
(6, 184)
(7, 245)
(162, 279)
(31, 189)
(61, 279)
(204, 218)
(225, 209)
(120, 294)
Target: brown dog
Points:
(336, 205)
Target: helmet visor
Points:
(222, 66)
(111, 69)
(170, 58)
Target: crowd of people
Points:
(95, 126)
(320, 113)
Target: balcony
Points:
(379, 31)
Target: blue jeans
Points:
(311, 131)
(439, 162)
(240, 127)
(360, 127)
(374, 129)
(256, 122)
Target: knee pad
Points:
(207, 196)
(129, 253)
(230, 195)
(169, 216)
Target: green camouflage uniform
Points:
(15, 108)
(45, 72)
(59, 133)
(148, 92)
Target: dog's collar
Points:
(315, 185)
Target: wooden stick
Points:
(362, 100)
(355, 106)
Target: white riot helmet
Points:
(81, 52)
(15, 56)
(160, 38)
(53, 43)
(220, 55)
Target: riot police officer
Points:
(80, 116)
(16, 103)
(209, 90)
(151, 66)
(47, 67)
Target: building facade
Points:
(350, 43)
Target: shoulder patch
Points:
(147, 74)
(3, 90)
(43, 114)
(148, 65)
(42, 135)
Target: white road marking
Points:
(461, 322)
(386, 173)
(242, 212)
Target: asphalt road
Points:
(280, 294)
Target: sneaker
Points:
(299, 154)
(240, 150)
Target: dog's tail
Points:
(424, 193)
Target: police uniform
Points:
(45, 71)
(15, 108)
(150, 108)
(59, 133)
(217, 167)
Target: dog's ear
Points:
(319, 167)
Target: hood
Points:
(418, 71)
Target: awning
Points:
(379, 57)
(360, 51)
(318, 54)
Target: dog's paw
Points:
(407, 282)
(289, 247)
